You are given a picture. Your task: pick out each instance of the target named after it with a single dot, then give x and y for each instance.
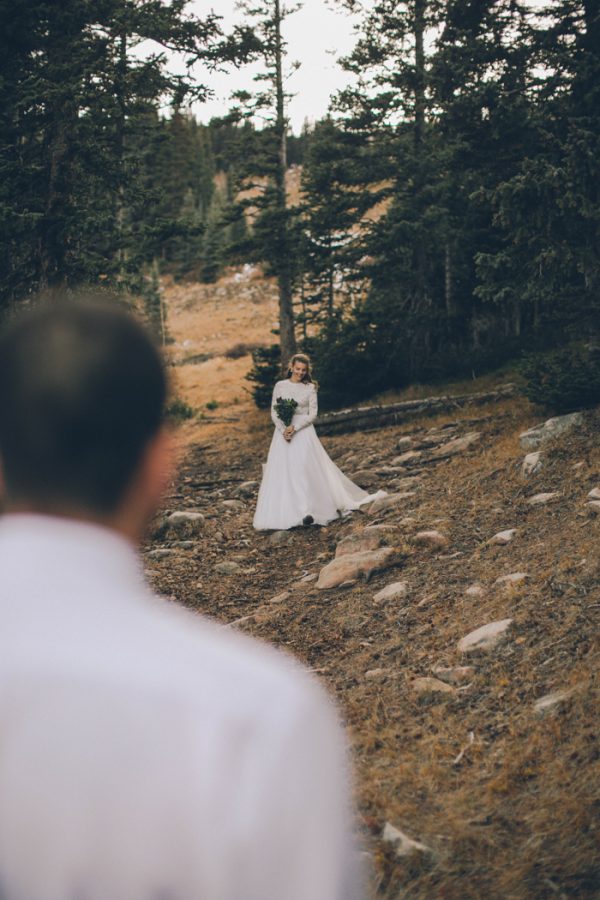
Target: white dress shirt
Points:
(147, 753)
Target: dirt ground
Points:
(504, 799)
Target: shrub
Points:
(212, 404)
(563, 380)
(179, 410)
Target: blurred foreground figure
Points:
(145, 753)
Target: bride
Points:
(301, 485)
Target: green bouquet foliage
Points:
(285, 410)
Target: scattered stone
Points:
(185, 545)
(403, 845)
(308, 578)
(359, 542)
(512, 578)
(376, 675)
(454, 674)
(475, 590)
(246, 489)
(593, 507)
(161, 553)
(392, 592)
(347, 569)
(404, 443)
(433, 539)
(484, 638)
(503, 537)
(532, 464)
(594, 494)
(541, 499)
(234, 504)
(407, 458)
(280, 598)
(456, 446)
(227, 567)
(552, 428)
(279, 538)
(184, 523)
(429, 685)
(390, 501)
(383, 528)
(550, 701)
(364, 476)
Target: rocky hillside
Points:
(456, 622)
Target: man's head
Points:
(82, 391)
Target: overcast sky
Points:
(316, 37)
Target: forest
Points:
(449, 211)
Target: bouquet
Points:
(285, 410)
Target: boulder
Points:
(183, 524)
(392, 591)
(348, 568)
(433, 539)
(532, 464)
(234, 504)
(359, 542)
(485, 638)
(456, 446)
(390, 501)
(540, 434)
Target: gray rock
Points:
(405, 443)
(594, 494)
(280, 598)
(347, 569)
(552, 428)
(411, 456)
(454, 674)
(475, 590)
(511, 579)
(184, 523)
(542, 499)
(403, 844)
(161, 553)
(359, 541)
(392, 591)
(279, 538)
(503, 537)
(456, 446)
(185, 545)
(227, 567)
(391, 501)
(485, 638)
(246, 489)
(433, 539)
(376, 674)
(593, 507)
(551, 701)
(532, 464)
(234, 504)
(429, 685)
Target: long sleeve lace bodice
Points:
(305, 396)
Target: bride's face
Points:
(299, 370)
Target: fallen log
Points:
(367, 418)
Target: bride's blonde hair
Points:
(305, 360)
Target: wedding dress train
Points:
(299, 478)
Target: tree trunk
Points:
(287, 336)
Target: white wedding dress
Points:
(299, 478)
